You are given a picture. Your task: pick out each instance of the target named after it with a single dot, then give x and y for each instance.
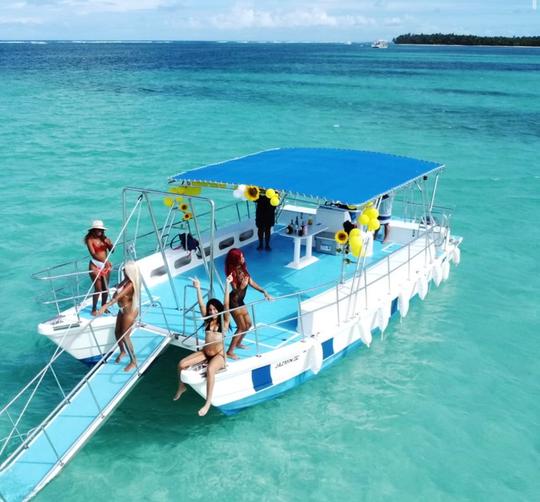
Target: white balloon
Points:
(237, 194)
(242, 188)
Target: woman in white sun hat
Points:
(99, 247)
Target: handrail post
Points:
(164, 257)
(95, 339)
(388, 273)
(58, 383)
(52, 446)
(337, 305)
(94, 397)
(300, 318)
(256, 332)
(409, 261)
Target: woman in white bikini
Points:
(100, 268)
(127, 296)
(215, 327)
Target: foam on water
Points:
(446, 407)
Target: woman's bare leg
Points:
(215, 364)
(97, 288)
(104, 290)
(185, 363)
(239, 320)
(128, 322)
(118, 336)
(247, 326)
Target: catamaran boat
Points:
(332, 290)
(380, 44)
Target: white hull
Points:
(326, 332)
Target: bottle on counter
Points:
(290, 227)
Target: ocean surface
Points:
(446, 407)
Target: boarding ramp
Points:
(51, 445)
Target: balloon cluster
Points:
(355, 242)
(252, 193)
(370, 218)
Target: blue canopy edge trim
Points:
(348, 176)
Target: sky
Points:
(263, 20)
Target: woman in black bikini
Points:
(235, 267)
(214, 350)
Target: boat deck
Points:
(268, 269)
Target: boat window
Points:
(182, 261)
(206, 252)
(226, 243)
(244, 236)
(158, 271)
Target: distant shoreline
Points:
(473, 45)
(466, 40)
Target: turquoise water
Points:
(446, 407)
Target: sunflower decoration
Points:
(341, 237)
(184, 207)
(252, 193)
(187, 216)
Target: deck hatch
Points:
(261, 378)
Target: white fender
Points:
(365, 331)
(404, 299)
(456, 255)
(437, 273)
(315, 357)
(383, 316)
(422, 286)
(445, 270)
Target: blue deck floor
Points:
(269, 270)
(76, 417)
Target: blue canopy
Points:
(347, 176)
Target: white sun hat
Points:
(98, 225)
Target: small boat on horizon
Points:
(380, 44)
(333, 286)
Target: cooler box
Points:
(326, 243)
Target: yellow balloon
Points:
(364, 219)
(374, 225)
(270, 193)
(355, 232)
(355, 245)
(372, 213)
(168, 201)
(274, 201)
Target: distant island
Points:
(453, 39)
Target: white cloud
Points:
(5, 20)
(247, 17)
(92, 6)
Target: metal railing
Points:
(341, 298)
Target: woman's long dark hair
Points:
(220, 308)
